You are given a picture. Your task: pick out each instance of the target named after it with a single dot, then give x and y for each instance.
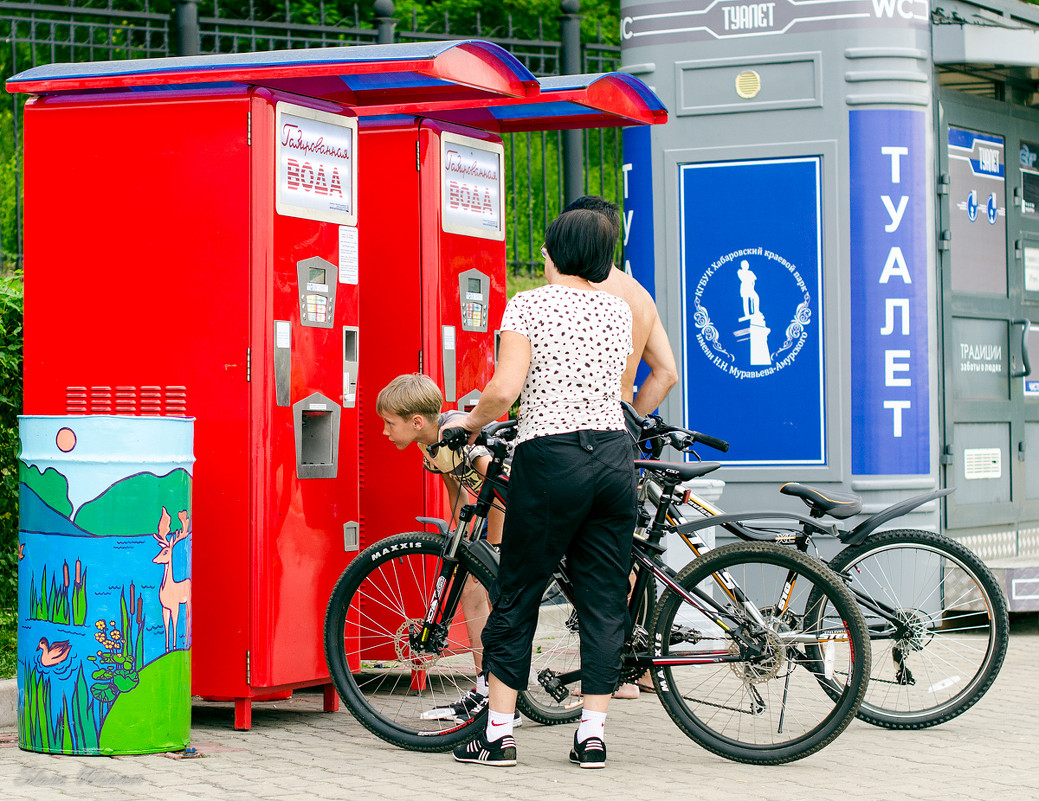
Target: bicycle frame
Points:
(453, 574)
(646, 554)
(713, 516)
(647, 548)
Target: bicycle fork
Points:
(431, 636)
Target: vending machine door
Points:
(463, 263)
(305, 306)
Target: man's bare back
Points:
(649, 339)
(650, 343)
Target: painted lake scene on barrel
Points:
(104, 587)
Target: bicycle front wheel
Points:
(938, 626)
(403, 694)
(749, 689)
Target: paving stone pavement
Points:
(294, 751)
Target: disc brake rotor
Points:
(405, 654)
(763, 668)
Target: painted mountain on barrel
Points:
(43, 502)
(128, 508)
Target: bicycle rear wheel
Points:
(943, 642)
(389, 687)
(557, 652)
(750, 692)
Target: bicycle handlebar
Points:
(652, 427)
(679, 435)
(456, 437)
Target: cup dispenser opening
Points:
(350, 359)
(315, 422)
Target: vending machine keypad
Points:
(316, 282)
(474, 294)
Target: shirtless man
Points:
(649, 339)
(649, 344)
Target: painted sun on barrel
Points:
(66, 440)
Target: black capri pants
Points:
(569, 494)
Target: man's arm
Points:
(663, 372)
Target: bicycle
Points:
(936, 615)
(737, 640)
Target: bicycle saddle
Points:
(680, 471)
(835, 504)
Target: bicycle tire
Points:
(557, 648)
(955, 626)
(383, 591)
(768, 709)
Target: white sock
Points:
(499, 724)
(593, 724)
(481, 685)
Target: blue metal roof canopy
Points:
(471, 82)
(567, 101)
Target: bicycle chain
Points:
(872, 679)
(723, 706)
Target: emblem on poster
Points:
(742, 344)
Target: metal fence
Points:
(537, 168)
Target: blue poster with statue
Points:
(104, 584)
(751, 256)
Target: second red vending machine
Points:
(444, 282)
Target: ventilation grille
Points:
(139, 401)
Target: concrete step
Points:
(1019, 577)
(8, 703)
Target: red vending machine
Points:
(447, 278)
(262, 241)
(192, 275)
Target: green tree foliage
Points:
(528, 17)
(10, 187)
(10, 407)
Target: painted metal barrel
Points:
(104, 584)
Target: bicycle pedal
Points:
(553, 686)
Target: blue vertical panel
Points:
(751, 251)
(637, 210)
(890, 426)
(637, 223)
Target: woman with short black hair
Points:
(563, 350)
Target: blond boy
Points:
(410, 408)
